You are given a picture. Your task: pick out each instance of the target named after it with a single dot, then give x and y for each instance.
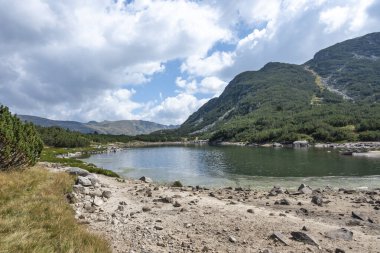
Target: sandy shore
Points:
(145, 217)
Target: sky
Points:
(156, 60)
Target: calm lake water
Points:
(243, 166)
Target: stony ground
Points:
(145, 217)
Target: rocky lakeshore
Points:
(141, 216)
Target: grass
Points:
(35, 215)
(50, 155)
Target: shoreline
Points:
(137, 216)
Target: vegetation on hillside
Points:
(352, 66)
(36, 217)
(331, 98)
(20, 144)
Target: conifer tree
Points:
(20, 144)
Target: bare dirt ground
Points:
(145, 217)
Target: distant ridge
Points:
(127, 127)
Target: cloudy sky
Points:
(155, 60)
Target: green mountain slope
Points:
(127, 127)
(352, 67)
(322, 100)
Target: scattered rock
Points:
(107, 194)
(93, 178)
(317, 199)
(353, 223)
(232, 239)
(341, 233)
(176, 204)
(304, 228)
(360, 216)
(97, 201)
(280, 237)
(282, 202)
(146, 209)
(120, 208)
(305, 189)
(84, 181)
(276, 190)
(158, 227)
(303, 237)
(338, 250)
(77, 171)
(250, 210)
(146, 179)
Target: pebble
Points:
(232, 239)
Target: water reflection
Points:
(257, 167)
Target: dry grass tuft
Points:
(35, 216)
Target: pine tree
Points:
(20, 144)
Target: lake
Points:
(243, 166)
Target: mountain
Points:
(332, 97)
(127, 127)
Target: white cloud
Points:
(209, 65)
(174, 109)
(212, 85)
(76, 59)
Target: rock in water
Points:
(84, 181)
(303, 237)
(146, 179)
(280, 237)
(77, 171)
(341, 233)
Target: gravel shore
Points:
(138, 216)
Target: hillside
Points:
(127, 127)
(332, 97)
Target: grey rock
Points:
(250, 210)
(353, 223)
(358, 216)
(158, 227)
(317, 199)
(280, 237)
(146, 209)
(303, 237)
(146, 179)
(84, 181)
(338, 250)
(282, 202)
(107, 194)
(341, 233)
(276, 190)
(79, 189)
(232, 239)
(305, 189)
(96, 193)
(93, 178)
(77, 171)
(176, 204)
(98, 201)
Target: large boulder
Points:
(85, 181)
(77, 171)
